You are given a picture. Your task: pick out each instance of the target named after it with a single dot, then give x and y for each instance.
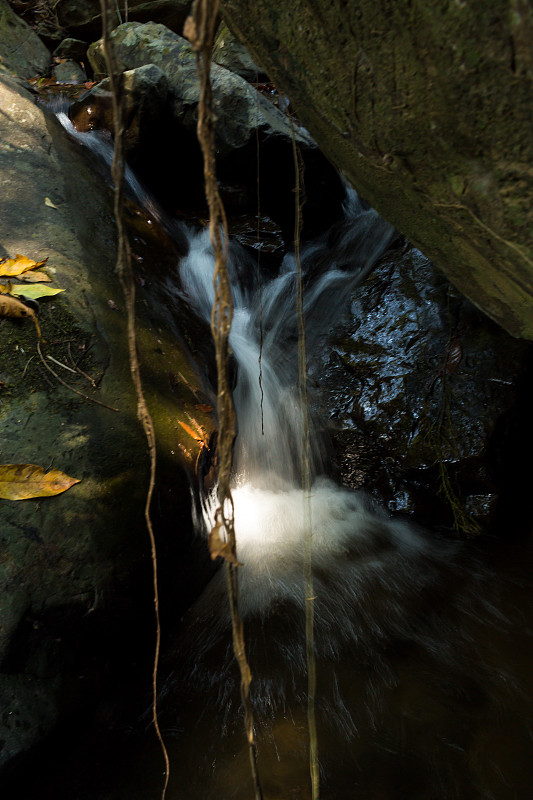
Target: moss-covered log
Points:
(427, 106)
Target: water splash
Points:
(331, 269)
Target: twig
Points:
(59, 364)
(91, 381)
(27, 365)
(72, 389)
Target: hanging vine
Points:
(299, 199)
(123, 268)
(200, 29)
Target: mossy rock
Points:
(427, 109)
(82, 556)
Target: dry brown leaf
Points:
(36, 277)
(205, 407)
(11, 307)
(23, 481)
(18, 265)
(220, 548)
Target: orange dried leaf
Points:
(23, 481)
(18, 265)
(11, 307)
(189, 430)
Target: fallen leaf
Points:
(23, 481)
(18, 265)
(219, 548)
(207, 409)
(189, 430)
(11, 307)
(5, 288)
(49, 203)
(35, 277)
(35, 290)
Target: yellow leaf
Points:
(18, 265)
(11, 307)
(34, 291)
(49, 203)
(5, 288)
(23, 481)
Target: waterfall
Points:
(419, 694)
(403, 620)
(269, 440)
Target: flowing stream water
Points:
(423, 653)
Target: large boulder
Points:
(21, 51)
(239, 108)
(252, 136)
(75, 596)
(427, 108)
(423, 395)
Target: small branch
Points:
(59, 364)
(72, 389)
(81, 372)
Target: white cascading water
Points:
(409, 640)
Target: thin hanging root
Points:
(200, 29)
(123, 268)
(306, 477)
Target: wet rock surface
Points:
(145, 92)
(418, 387)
